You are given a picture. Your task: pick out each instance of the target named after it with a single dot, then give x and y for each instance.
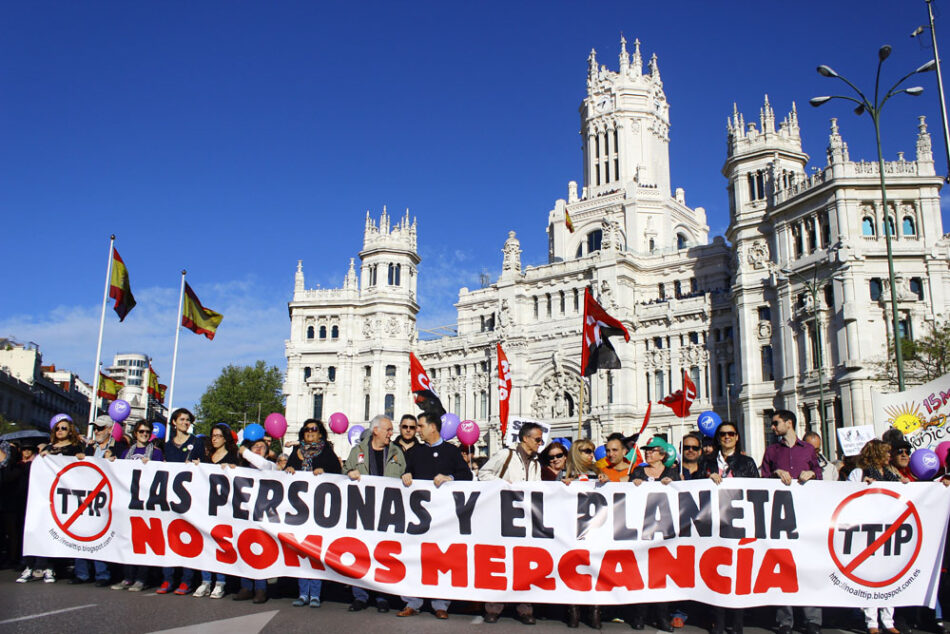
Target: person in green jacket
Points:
(375, 454)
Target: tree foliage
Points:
(925, 358)
(239, 393)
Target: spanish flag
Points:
(197, 318)
(108, 387)
(119, 288)
(154, 389)
(567, 221)
(162, 388)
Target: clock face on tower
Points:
(603, 104)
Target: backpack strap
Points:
(504, 469)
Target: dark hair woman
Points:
(315, 452)
(553, 461)
(64, 440)
(223, 451)
(728, 461)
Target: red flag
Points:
(504, 389)
(426, 397)
(596, 351)
(681, 400)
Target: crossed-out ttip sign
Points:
(81, 501)
(875, 553)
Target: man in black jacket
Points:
(436, 460)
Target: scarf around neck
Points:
(309, 451)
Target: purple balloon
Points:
(59, 417)
(119, 410)
(354, 434)
(924, 464)
(450, 425)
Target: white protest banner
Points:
(747, 542)
(852, 439)
(514, 426)
(920, 412)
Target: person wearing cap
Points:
(375, 454)
(102, 445)
(657, 454)
(900, 459)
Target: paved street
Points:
(60, 607)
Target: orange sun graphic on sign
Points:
(905, 417)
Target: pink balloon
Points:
(942, 450)
(339, 422)
(117, 431)
(276, 425)
(468, 432)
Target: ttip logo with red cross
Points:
(81, 501)
(875, 553)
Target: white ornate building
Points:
(724, 314)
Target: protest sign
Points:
(919, 412)
(852, 439)
(511, 437)
(743, 543)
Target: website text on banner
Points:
(919, 412)
(744, 543)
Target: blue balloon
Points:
(708, 423)
(600, 452)
(253, 432)
(158, 430)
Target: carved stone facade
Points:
(734, 317)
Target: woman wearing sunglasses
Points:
(315, 452)
(728, 461)
(554, 462)
(142, 448)
(64, 440)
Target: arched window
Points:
(694, 377)
(917, 287)
(680, 241)
(580, 251)
(889, 224)
(309, 332)
(331, 374)
(535, 307)
(323, 332)
(458, 405)
(799, 243)
(594, 239)
(876, 288)
(563, 302)
(577, 300)
(867, 227)
(908, 227)
(335, 332)
(306, 374)
(390, 406)
(394, 274)
(652, 245)
(547, 297)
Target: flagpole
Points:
(580, 411)
(148, 367)
(102, 323)
(171, 384)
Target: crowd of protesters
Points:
(418, 452)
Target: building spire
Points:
(924, 146)
(767, 117)
(298, 277)
(624, 56)
(654, 67)
(837, 148)
(637, 63)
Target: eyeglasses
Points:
(555, 456)
(902, 452)
(537, 439)
(727, 434)
(142, 431)
(310, 430)
(407, 427)
(62, 428)
(690, 447)
(99, 428)
(587, 451)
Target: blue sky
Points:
(233, 138)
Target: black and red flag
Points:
(681, 400)
(426, 397)
(597, 353)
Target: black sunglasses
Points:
(905, 452)
(407, 426)
(727, 434)
(143, 431)
(690, 447)
(62, 429)
(99, 427)
(307, 430)
(555, 456)
(587, 451)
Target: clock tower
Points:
(625, 124)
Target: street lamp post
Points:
(943, 106)
(812, 286)
(874, 110)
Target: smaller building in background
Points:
(133, 371)
(31, 394)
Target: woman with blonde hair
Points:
(582, 466)
(874, 464)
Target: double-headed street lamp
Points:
(874, 109)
